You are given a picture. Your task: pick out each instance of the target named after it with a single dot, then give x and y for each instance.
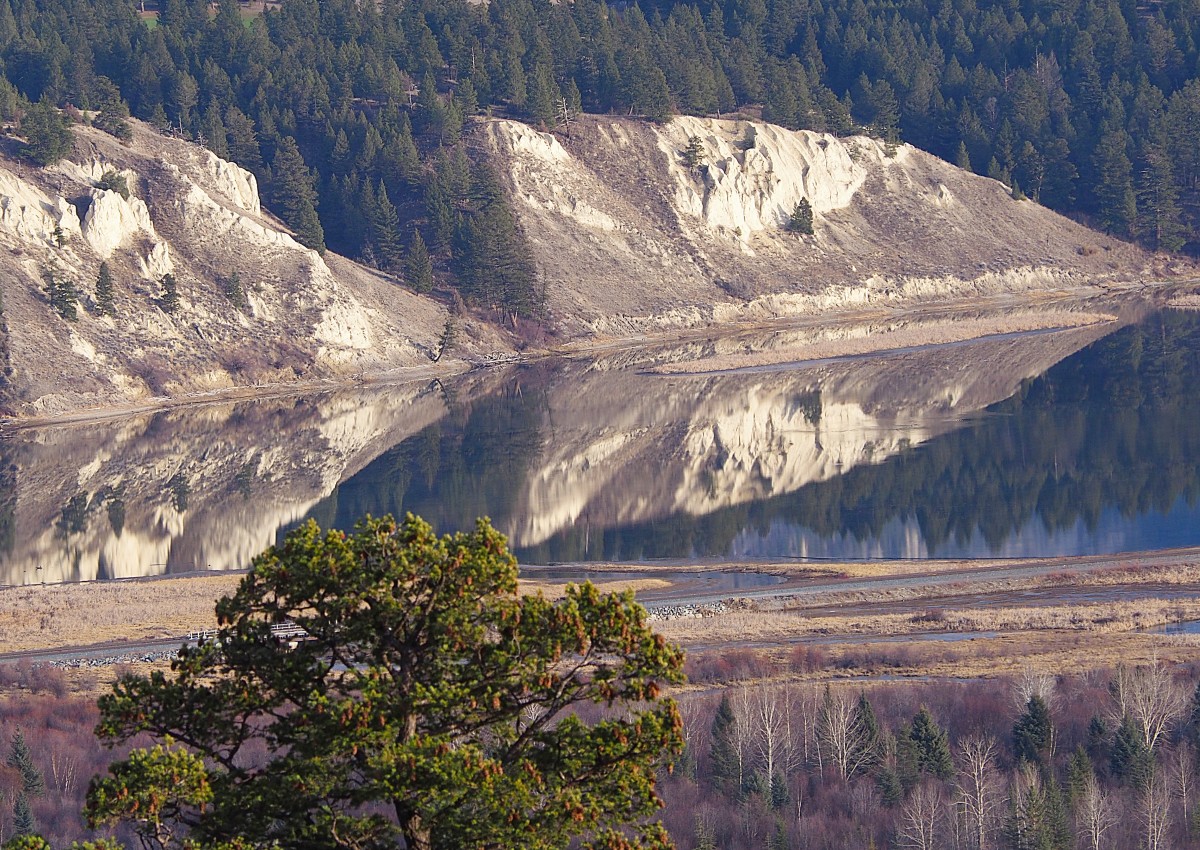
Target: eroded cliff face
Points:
(631, 240)
(299, 317)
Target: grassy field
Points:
(1067, 618)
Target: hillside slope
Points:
(305, 317)
(628, 242)
(631, 241)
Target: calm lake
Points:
(1077, 441)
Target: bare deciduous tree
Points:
(1094, 815)
(843, 739)
(977, 793)
(1034, 683)
(920, 818)
(1155, 810)
(1183, 776)
(768, 731)
(1151, 698)
(742, 731)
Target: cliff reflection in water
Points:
(965, 449)
(187, 489)
(595, 460)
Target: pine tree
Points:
(385, 229)
(693, 154)
(294, 195)
(242, 140)
(1115, 200)
(931, 745)
(19, 758)
(24, 823)
(1079, 772)
(871, 734)
(47, 133)
(724, 758)
(418, 268)
(1033, 731)
(963, 158)
(1131, 759)
(104, 292)
(801, 220)
(543, 94)
(62, 295)
(169, 302)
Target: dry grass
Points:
(41, 617)
(553, 590)
(925, 334)
(44, 617)
(775, 626)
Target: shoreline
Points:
(1025, 303)
(153, 608)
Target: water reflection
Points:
(1086, 440)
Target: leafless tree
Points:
(1150, 697)
(919, 818)
(976, 788)
(1094, 815)
(64, 771)
(1183, 776)
(769, 734)
(742, 732)
(1155, 810)
(1034, 683)
(843, 739)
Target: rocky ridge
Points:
(628, 239)
(633, 241)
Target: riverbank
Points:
(850, 332)
(1083, 612)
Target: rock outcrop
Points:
(255, 307)
(632, 240)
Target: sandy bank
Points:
(830, 344)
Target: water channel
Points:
(1079, 441)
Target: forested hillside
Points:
(352, 114)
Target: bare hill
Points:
(304, 318)
(631, 241)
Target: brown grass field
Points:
(1067, 620)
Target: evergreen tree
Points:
(693, 154)
(543, 96)
(1079, 772)
(1033, 731)
(47, 133)
(801, 220)
(418, 268)
(385, 229)
(725, 761)
(1131, 760)
(294, 196)
(963, 158)
(1115, 200)
(62, 295)
(24, 822)
(242, 140)
(871, 733)
(169, 301)
(212, 128)
(19, 758)
(931, 746)
(104, 292)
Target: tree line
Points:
(1031, 763)
(353, 116)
